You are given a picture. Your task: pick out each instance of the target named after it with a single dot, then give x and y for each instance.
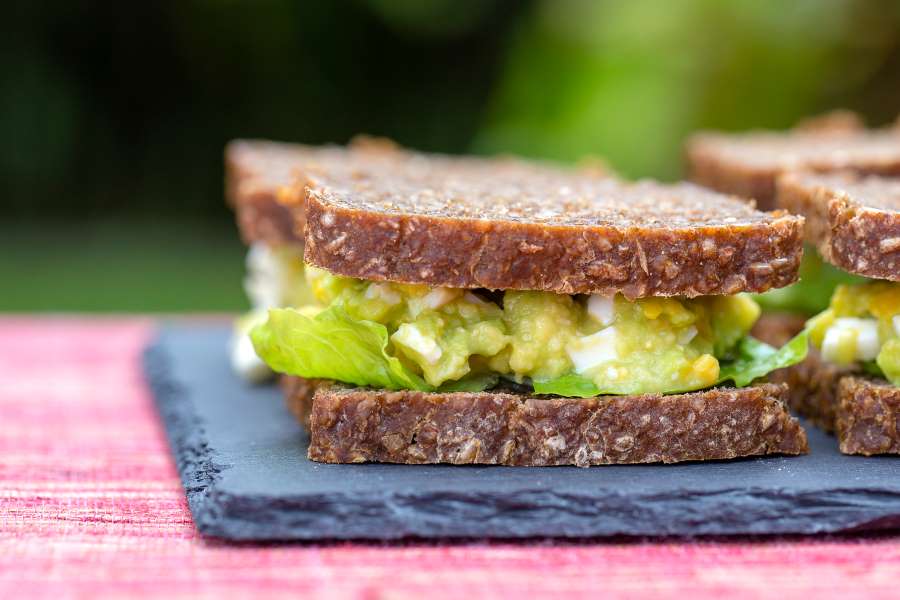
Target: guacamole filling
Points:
(398, 336)
(862, 326)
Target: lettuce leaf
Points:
(752, 359)
(333, 345)
(571, 385)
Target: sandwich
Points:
(848, 384)
(496, 311)
(837, 174)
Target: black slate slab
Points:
(242, 459)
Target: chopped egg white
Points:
(244, 360)
(268, 277)
(409, 336)
(383, 292)
(596, 349)
(438, 297)
(862, 334)
(685, 336)
(601, 308)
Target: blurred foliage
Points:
(629, 80)
(117, 112)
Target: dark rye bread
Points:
(853, 220)
(868, 416)
(748, 164)
(255, 172)
(259, 175)
(476, 223)
(506, 428)
(862, 412)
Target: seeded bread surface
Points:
(467, 223)
(868, 416)
(255, 172)
(362, 425)
(853, 220)
(748, 164)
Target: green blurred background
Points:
(113, 115)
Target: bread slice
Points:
(255, 173)
(867, 418)
(854, 221)
(508, 428)
(862, 412)
(748, 164)
(472, 223)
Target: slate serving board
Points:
(242, 459)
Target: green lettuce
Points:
(754, 359)
(333, 345)
(751, 359)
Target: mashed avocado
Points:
(862, 324)
(649, 345)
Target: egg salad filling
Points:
(397, 336)
(862, 325)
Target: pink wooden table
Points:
(91, 506)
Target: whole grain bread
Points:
(748, 164)
(362, 425)
(853, 220)
(473, 223)
(255, 173)
(867, 418)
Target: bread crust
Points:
(748, 164)
(256, 174)
(854, 221)
(867, 418)
(603, 259)
(363, 425)
(298, 395)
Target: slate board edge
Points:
(523, 514)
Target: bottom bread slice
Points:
(862, 412)
(351, 425)
(867, 416)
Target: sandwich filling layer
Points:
(862, 326)
(398, 336)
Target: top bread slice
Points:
(748, 164)
(508, 224)
(854, 221)
(256, 172)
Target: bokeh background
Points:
(113, 115)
